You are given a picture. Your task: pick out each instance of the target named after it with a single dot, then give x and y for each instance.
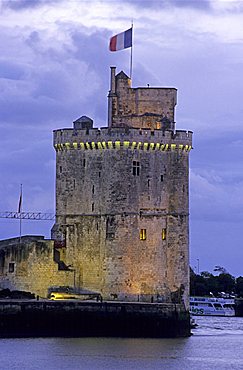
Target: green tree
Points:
(226, 283)
(239, 286)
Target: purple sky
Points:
(55, 67)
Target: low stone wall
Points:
(83, 318)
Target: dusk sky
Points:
(55, 67)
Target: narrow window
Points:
(148, 183)
(11, 267)
(60, 169)
(92, 207)
(74, 183)
(142, 234)
(93, 189)
(161, 178)
(84, 162)
(163, 234)
(135, 168)
(99, 173)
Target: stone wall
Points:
(28, 265)
(121, 206)
(110, 185)
(142, 107)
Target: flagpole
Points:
(131, 54)
(20, 216)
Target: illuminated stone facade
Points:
(122, 197)
(29, 264)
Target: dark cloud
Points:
(197, 4)
(26, 4)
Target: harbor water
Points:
(216, 343)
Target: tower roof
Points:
(122, 75)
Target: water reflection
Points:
(216, 342)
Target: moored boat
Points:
(211, 306)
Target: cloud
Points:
(18, 5)
(200, 5)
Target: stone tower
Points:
(122, 197)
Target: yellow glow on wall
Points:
(126, 145)
(117, 144)
(163, 234)
(143, 234)
(145, 146)
(110, 145)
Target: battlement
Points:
(116, 138)
(140, 107)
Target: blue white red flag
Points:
(121, 41)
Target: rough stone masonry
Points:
(121, 206)
(122, 197)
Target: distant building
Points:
(121, 203)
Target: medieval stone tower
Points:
(122, 197)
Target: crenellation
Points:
(122, 205)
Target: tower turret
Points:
(122, 197)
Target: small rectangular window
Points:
(161, 178)
(143, 234)
(92, 207)
(11, 267)
(84, 162)
(163, 234)
(60, 169)
(135, 168)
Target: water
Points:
(217, 343)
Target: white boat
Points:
(211, 306)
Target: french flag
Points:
(121, 41)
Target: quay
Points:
(45, 318)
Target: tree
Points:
(226, 283)
(239, 286)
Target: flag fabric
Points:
(121, 41)
(20, 202)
